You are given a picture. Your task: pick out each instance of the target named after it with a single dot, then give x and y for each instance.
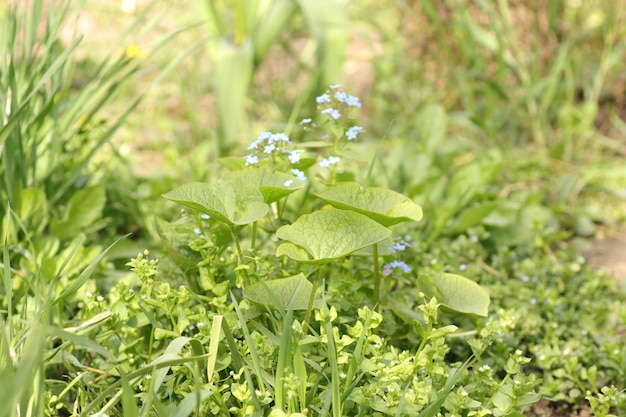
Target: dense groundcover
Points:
(292, 208)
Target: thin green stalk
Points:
(377, 278)
(307, 317)
(335, 382)
(237, 245)
(253, 236)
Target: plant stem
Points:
(242, 278)
(253, 236)
(377, 278)
(237, 245)
(309, 309)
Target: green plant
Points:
(258, 186)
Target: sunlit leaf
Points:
(233, 202)
(291, 292)
(272, 185)
(380, 204)
(329, 234)
(456, 292)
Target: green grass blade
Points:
(214, 342)
(128, 401)
(328, 22)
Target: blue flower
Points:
(324, 98)
(388, 268)
(305, 121)
(251, 159)
(269, 148)
(299, 174)
(280, 137)
(328, 162)
(353, 101)
(335, 86)
(463, 267)
(205, 216)
(334, 114)
(341, 96)
(294, 156)
(262, 138)
(197, 231)
(352, 133)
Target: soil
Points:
(609, 255)
(545, 408)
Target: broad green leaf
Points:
(329, 234)
(83, 209)
(456, 292)
(380, 204)
(231, 201)
(232, 163)
(291, 292)
(293, 251)
(272, 185)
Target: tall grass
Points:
(242, 36)
(519, 73)
(51, 132)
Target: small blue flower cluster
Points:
(400, 244)
(333, 103)
(271, 145)
(388, 268)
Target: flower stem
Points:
(253, 236)
(377, 278)
(309, 309)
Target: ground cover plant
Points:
(395, 254)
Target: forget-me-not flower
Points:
(388, 268)
(324, 98)
(332, 113)
(299, 174)
(251, 159)
(330, 161)
(294, 156)
(352, 133)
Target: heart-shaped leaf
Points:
(456, 292)
(233, 202)
(329, 234)
(272, 185)
(380, 204)
(292, 292)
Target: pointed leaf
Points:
(291, 292)
(272, 185)
(381, 204)
(294, 252)
(233, 202)
(456, 292)
(329, 234)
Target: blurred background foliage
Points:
(541, 81)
